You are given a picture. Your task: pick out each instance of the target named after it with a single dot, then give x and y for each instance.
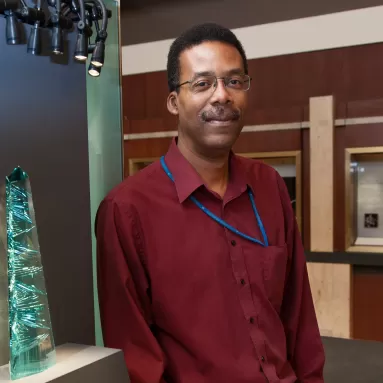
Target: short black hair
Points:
(195, 36)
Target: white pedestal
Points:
(79, 364)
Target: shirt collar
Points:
(187, 180)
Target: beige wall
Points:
(274, 39)
(330, 283)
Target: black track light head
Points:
(94, 71)
(57, 41)
(98, 56)
(12, 31)
(34, 41)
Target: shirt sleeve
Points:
(304, 344)
(124, 293)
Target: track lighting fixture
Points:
(12, 32)
(81, 52)
(94, 70)
(60, 16)
(34, 41)
(98, 55)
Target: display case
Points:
(288, 165)
(137, 164)
(364, 199)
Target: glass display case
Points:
(137, 164)
(364, 199)
(288, 165)
(105, 132)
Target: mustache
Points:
(220, 114)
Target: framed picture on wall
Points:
(364, 199)
(288, 165)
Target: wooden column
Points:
(330, 283)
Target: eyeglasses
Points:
(204, 83)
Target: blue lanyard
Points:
(265, 242)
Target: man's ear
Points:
(172, 103)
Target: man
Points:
(202, 274)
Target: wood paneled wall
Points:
(281, 90)
(367, 310)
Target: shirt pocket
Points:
(272, 261)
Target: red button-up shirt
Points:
(189, 301)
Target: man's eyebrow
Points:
(203, 73)
(211, 73)
(235, 71)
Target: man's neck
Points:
(213, 171)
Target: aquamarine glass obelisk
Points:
(32, 347)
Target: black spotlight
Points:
(98, 55)
(57, 40)
(81, 51)
(12, 29)
(34, 41)
(94, 70)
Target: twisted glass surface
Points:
(31, 340)
(4, 337)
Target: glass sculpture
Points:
(4, 337)
(32, 347)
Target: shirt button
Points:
(243, 282)
(262, 358)
(233, 242)
(252, 320)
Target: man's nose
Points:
(221, 94)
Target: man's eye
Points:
(203, 83)
(236, 81)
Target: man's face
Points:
(210, 118)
